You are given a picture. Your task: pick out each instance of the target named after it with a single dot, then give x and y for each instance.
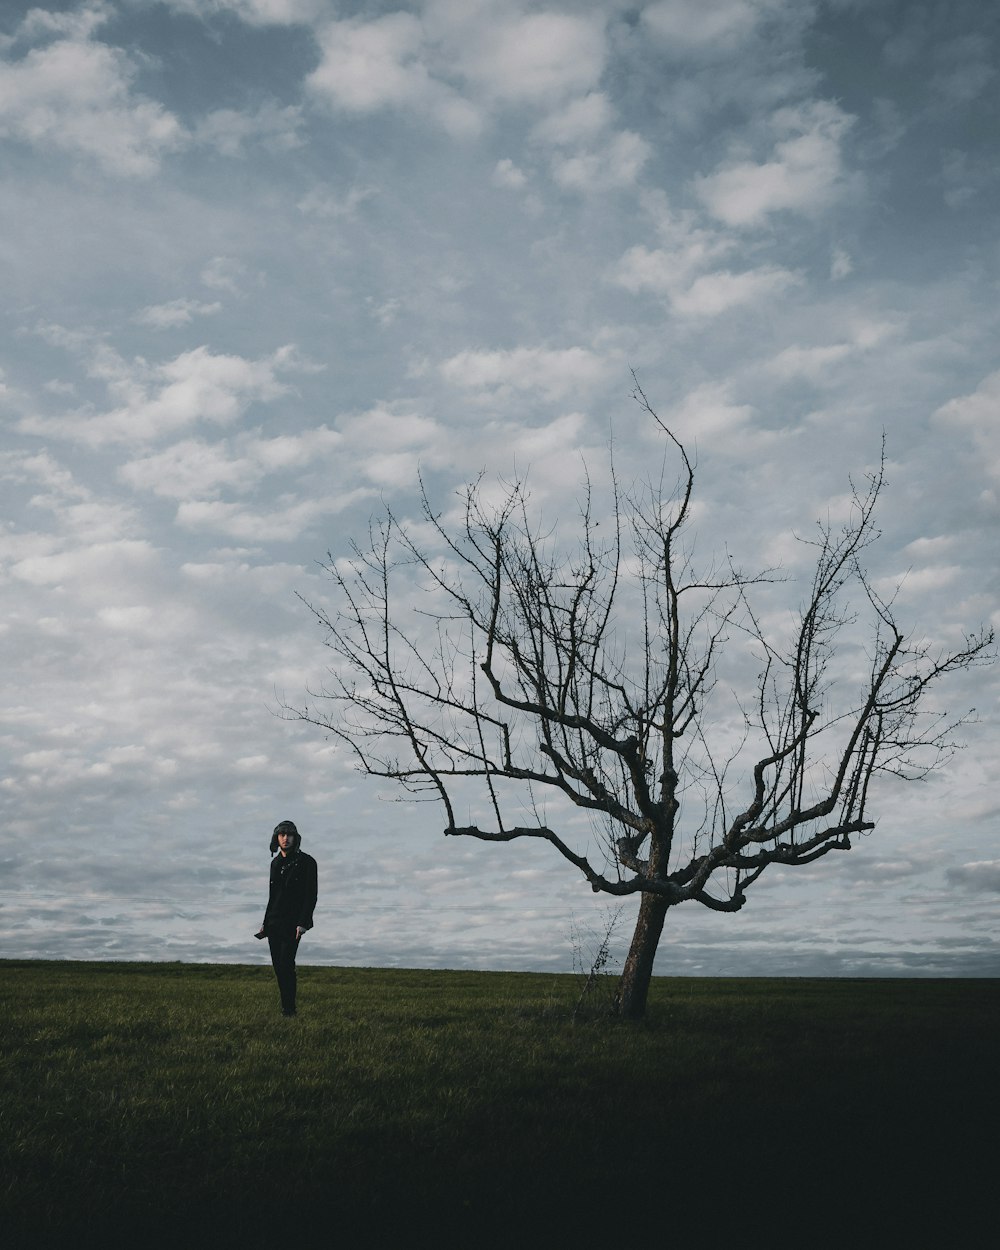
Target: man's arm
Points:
(309, 893)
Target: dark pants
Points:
(284, 945)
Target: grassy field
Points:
(153, 1104)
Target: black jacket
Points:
(292, 896)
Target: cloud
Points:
(282, 523)
(815, 362)
(693, 28)
(75, 96)
(554, 373)
(616, 164)
(685, 270)
(979, 413)
(286, 451)
(549, 455)
(507, 175)
(77, 512)
(544, 448)
(41, 467)
(808, 362)
(388, 446)
(589, 155)
(326, 203)
(803, 174)
(579, 120)
(90, 520)
(966, 67)
(223, 273)
(671, 274)
(688, 247)
(924, 548)
(841, 264)
(727, 60)
(715, 293)
(455, 65)
(177, 312)
(99, 569)
(193, 469)
(368, 66)
(708, 413)
(255, 12)
(964, 178)
(534, 58)
(155, 401)
(384, 427)
(981, 876)
(271, 126)
(75, 24)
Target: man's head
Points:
(286, 838)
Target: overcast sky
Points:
(263, 259)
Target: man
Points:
(290, 905)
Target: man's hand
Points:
(298, 932)
(260, 932)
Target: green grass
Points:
(172, 1104)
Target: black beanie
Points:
(285, 826)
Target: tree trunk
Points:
(633, 988)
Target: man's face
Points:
(285, 842)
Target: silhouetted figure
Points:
(290, 905)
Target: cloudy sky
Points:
(262, 260)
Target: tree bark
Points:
(633, 988)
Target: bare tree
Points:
(488, 654)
